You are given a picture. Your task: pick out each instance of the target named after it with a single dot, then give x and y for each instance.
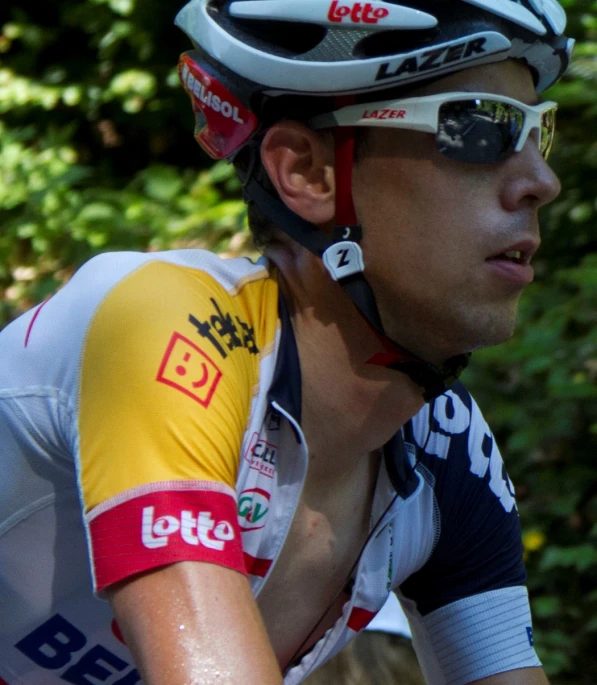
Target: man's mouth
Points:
(520, 253)
(512, 264)
(516, 256)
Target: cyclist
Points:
(246, 459)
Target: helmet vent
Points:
(290, 38)
(280, 38)
(391, 43)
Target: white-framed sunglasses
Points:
(482, 128)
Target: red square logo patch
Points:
(187, 368)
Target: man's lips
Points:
(512, 263)
(517, 253)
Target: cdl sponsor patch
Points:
(163, 527)
(262, 455)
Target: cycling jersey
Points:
(150, 413)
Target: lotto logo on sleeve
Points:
(195, 521)
(194, 530)
(188, 369)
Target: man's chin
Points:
(496, 337)
(487, 336)
(458, 333)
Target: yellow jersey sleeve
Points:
(169, 369)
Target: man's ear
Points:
(299, 162)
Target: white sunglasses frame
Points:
(422, 114)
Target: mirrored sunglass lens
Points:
(548, 127)
(478, 131)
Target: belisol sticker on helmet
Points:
(223, 122)
(357, 12)
(432, 59)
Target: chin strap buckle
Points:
(434, 380)
(343, 259)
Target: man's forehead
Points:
(511, 78)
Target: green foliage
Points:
(96, 153)
(96, 148)
(539, 390)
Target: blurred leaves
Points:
(96, 148)
(539, 390)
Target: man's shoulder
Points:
(454, 413)
(171, 272)
(189, 303)
(455, 447)
(108, 269)
(123, 298)
(142, 285)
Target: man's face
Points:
(434, 226)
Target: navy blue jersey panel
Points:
(479, 546)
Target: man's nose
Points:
(529, 180)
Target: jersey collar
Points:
(285, 389)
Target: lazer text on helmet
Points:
(208, 98)
(432, 59)
(357, 12)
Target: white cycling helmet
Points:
(258, 61)
(260, 49)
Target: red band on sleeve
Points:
(256, 566)
(359, 619)
(163, 527)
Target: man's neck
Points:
(349, 408)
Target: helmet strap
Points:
(343, 259)
(346, 216)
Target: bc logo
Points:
(452, 417)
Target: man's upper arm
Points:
(194, 622)
(474, 638)
(164, 404)
(467, 605)
(167, 376)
